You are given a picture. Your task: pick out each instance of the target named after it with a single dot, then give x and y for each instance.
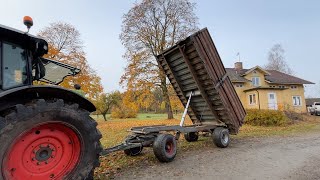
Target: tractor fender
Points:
(24, 94)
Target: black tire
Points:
(221, 137)
(165, 147)
(133, 151)
(23, 118)
(191, 136)
(91, 175)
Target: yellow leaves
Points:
(174, 99)
(128, 108)
(65, 46)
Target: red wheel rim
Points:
(48, 151)
(169, 147)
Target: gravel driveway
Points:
(295, 158)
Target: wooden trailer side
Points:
(195, 65)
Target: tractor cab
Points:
(21, 60)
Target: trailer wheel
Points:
(133, 151)
(48, 140)
(165, 147)
(221, 137)
(191, 136)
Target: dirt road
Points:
(296, 158)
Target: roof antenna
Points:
(27, 20)
(238, 54)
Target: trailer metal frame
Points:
(144, 136)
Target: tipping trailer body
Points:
(199, 78)
(194, 65)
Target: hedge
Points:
(266, 117)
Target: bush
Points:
(265, 117)
(123, 112)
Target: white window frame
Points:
(295, 102)
(255, 81)
(252, 99)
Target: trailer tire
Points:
(133, 151)
(57, 136)
(191, 136)
(221, 137)
(165, 147)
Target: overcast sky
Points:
(250, 27)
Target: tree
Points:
(175, 101)
(147, 30)
(129, 107)
(276, 60)
(106, 101)
(66, 46)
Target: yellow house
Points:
(268, 89)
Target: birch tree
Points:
(276, 60)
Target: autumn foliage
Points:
(128, 108)
(148, 28)
(66, 46)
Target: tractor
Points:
(46, 131)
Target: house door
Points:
(272, 101)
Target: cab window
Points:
(14, 66)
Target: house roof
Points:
(274, 77)
(310, 101)
(235, 76)
(282, 78)
(257, 67)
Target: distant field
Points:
(115, 130)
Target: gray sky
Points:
(250, 27)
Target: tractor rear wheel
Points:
(48, 140)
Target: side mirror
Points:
(39, 69)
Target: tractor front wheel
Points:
(48, 140)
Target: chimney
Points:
(238, 66)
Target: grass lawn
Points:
(115, 130)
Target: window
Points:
(255, 81)
(293, 87)
(282, 87)
(252, 99)
(239, 85)
(14, 66)
(296, 100)
(272, 86)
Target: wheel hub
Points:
(45, 152)
(169, 147)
